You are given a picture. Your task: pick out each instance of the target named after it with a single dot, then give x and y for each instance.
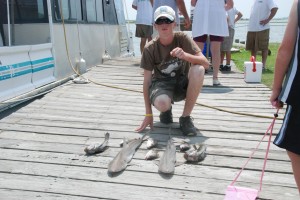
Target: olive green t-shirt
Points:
(156, 57)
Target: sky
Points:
(244, 6)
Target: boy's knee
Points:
(196, 71)
(162, 103)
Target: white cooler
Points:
(252, 71)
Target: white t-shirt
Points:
(210, 18)
(231, 16)
(261, 10)
(144, 13)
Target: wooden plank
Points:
(41, 143)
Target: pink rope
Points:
(266, 156)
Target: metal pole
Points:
(8, 22)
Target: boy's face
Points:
(164, 26)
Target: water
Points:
(276, 32)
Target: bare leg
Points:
(295, 159)
(253, 53)
(142, 44)
(200, 45)
(196, 77)
(222, 57)
(215, 51)
(162, 103)
(264, 56)
(228, 57)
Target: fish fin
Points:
(106, 135)
(195, 147)
(125, 143)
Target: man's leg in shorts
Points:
(263, 45)
(250, 43)
(295, 160)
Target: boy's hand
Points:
(148, 121)
(178, 52)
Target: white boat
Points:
(45, 42)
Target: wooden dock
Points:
(42, 142)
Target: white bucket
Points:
(252, 71)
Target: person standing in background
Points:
(176, 5)
(144, 27)
(259, 28)
(233, 15)
(287, 70)
(210, 20)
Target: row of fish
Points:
(167, 162)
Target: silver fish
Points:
(184, 146)
(122, 159)
(151, 143)
(196, 154)
(167, 162)
(97, 147)
(152, 154)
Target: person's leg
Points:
(222, 57)
(215, 53)
(196, 77)
(295, 160)
(264, 56)
(161, 94)
(142, 44)
(163, 103)
(228, 57)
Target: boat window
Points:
(99, 7)
(24, 11)
(94, 11)
(91, 10)
(71, 10)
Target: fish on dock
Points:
(195, 154)
(151, 143)
(122, 159)
(97, 147)
(168, 160)
(184, 146)
(152, 154)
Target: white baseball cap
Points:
(164, 11)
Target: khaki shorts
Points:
(143, 31)
(258, 41)
(227, 43)
(175, 88)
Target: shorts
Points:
(212, 38)
(227, 43)
(143, 31)
(258, 41)
(175, 88)
(289, 135)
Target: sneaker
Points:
(227, 68)
(166, 117)
(187, 126)
(216, 82)
(221, 67)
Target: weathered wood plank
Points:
(41, 143)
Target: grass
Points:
(267, 76)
